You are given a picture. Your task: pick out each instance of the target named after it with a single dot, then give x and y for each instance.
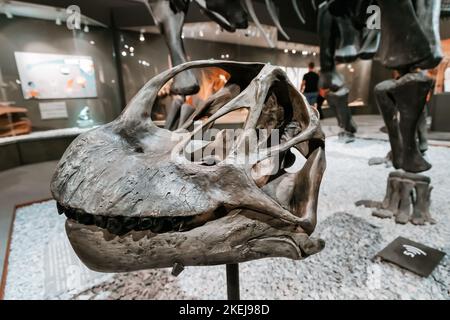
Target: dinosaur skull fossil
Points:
(135, 199)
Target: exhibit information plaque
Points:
(53, 110)
(412, 256)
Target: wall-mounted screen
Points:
(55, 76)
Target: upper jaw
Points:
(293, 193)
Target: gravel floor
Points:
(42, 264)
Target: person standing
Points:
(310, 85)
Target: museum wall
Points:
(41, 36)
(357, 76)
(151, 56)
(445, 28)
(47, 37)
(156, 56)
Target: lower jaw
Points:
(239, 239)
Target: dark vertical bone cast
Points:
(402, 103)
(406, 45)
(340, 41)
(407, 199)
(338, 100)
(409, 45)
(169, 15)
(170, 21)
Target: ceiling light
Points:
(286, 50)
(124, 53)
(294, 51)
(141, 35)
(86, 28)
(201, 34)
(92, 42)
(58, 21)
(131, 49)
(305, 53)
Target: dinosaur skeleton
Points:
(402, 101)
(135, 199)
(410, 44)
(169, 15)
(344, 38)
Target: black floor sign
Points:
(412, 256)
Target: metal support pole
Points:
(118, 61)
(233, 281)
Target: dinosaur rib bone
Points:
(298, 12)
(251, 11)
(273, 15)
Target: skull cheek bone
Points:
(134, 201)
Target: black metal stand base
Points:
(232, 278)
(233, 281)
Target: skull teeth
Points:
(119, 225)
